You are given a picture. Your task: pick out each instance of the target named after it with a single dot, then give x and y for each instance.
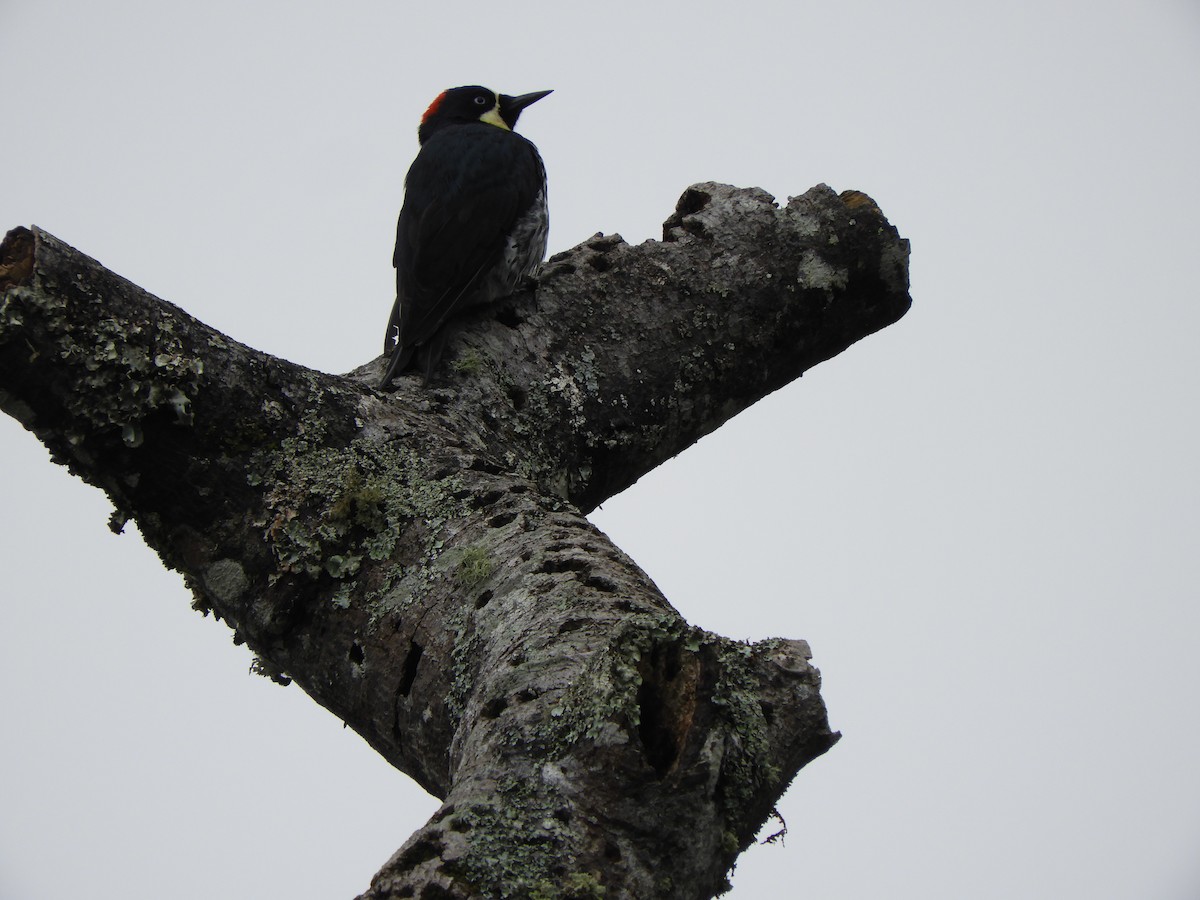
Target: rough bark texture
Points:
(420, 563)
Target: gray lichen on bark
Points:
(420, 562)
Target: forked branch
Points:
(419, 562)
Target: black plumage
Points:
(473, 224)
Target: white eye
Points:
(482, 100)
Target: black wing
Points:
(464, 193)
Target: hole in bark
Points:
(502, 519)
(601, 583)
(525, 695)
(356, 654)
(666, 703)
(572, 625)
(768, 711)
(612, 851)
(425, 849)
(671, 666)
(485, 465)
(487, 498)
(565, 564)
(509, 316)
(494, 707)
(16, 257)
(690, 203)
(660, 750)
(562, 814)
(483, 600)
(599, 263)
(516, 396)
(410, 667)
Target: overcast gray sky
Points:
(985, 519)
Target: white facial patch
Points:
(493, 117)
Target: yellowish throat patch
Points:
(492, 117)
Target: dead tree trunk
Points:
(419, 563)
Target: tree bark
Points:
(420, 562)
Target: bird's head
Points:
(461, 105)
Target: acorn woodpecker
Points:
(473, 224)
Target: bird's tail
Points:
(427, 355)
(401, 360)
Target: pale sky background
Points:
(985, 519)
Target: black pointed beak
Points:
(510, 107)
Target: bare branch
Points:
(418, 562)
